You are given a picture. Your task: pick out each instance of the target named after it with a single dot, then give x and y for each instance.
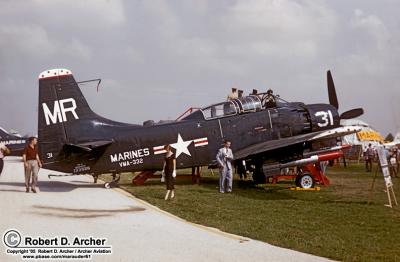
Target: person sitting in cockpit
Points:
(234, 94)
(270, 100)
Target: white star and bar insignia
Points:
(181, 146)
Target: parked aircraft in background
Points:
(14, 142)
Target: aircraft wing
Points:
(88, 146)
(280, 143)
(336, 132)
(273, 144)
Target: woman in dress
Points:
(169, 172)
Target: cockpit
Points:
(252, 103)
(241, 105)
(232, 107)
(281, 102)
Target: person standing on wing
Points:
(224, 159)
(169, 172)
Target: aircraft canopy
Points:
(232, 107)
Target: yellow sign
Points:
(369, 135)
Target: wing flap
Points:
(88, 146)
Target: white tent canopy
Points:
(366, 136)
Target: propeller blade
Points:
(353, 113)
(332, 91)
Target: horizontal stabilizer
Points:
(88, 146)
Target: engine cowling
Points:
(323, 117)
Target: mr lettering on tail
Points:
(59, 111)
(66, 123)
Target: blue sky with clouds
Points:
(157, 58)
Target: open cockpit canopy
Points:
(241, 105)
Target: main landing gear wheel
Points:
(258, 174)
(305, 181)
(114, 183)
(259, 178)
(111, 184)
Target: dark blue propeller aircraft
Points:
(75, 140)
(14, 142)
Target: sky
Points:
(157, 58)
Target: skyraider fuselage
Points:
(73, 139)
(130, 155)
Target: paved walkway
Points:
(73, 206)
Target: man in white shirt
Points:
(224, 159)
(369, 155)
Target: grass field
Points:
(335, 222)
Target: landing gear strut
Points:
(116, 177)
(258, 173)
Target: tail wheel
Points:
(305, 181)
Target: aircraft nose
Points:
(323, 116)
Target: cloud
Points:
(22, 42)
(26, 40)
(278, 28)
(372, 26)
(373, 50)
(67, 13)
(163, 20)
(192, 53)
(76, 49)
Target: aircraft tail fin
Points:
(63, 112)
